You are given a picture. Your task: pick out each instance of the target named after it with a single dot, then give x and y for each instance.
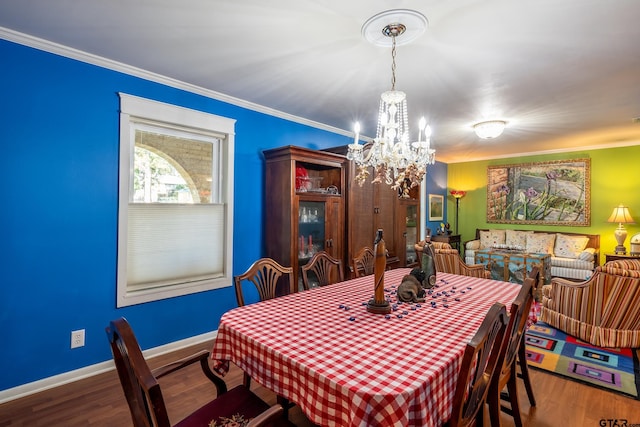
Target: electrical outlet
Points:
(77, 338)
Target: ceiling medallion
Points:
(413, 22)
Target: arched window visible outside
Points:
(157, 179)
(176, 201)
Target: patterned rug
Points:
(615, 369)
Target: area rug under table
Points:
(615, 369)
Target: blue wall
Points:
(436, 183)
(59, 139)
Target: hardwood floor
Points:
(99, 402)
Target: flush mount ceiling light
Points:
(394, 158)
(489, 129)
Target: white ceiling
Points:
(563, 73)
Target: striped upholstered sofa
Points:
(604, 310)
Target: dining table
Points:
(345, 366)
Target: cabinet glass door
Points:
(411, 231)
(311, 230)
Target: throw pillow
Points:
(569, 246)
(516, 238)
(473, 245)
(540, 243)
(490, 238)
(587, 254)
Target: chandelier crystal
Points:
(393, 157)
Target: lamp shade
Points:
(458, 194)
(621, 215)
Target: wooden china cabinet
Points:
(304, 205)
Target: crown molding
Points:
(78, 55)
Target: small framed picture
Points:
(436, 207)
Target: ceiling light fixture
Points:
(489, 129)
(394, 158)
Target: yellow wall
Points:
(615, 179)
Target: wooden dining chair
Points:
(534, 278)
(325, 268)
(482, 360)
(266, 274)
(268, 277)
(507, 375)
(146, 402)
(363, 262)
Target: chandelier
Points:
(393, 157)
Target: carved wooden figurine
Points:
(378, 304)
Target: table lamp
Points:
(621, 215)
(458, 194)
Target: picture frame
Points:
(543, 193)
(436, 207)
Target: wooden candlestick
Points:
(378, 304)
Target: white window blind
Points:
(170, 244)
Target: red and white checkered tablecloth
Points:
(349, 367)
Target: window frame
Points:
(134, 109)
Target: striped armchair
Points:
(436, 246)
(449, 261)
(604, 310)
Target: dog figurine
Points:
(413, 285)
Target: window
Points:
(175, 217)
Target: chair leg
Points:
(522, 359)
(493, 399)
(247, 381)
(513, 398)
(285, 405)
(480, 417)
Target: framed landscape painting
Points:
(436, 207)
(545, 193)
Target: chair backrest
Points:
(616, 270)
(482, 360)
(418, 247)
(518, 315)
(363, 262)
(326, 269)
(448, 260)
(626, 264)
(265, 274)
(140, 386)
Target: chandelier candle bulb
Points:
(422, 128)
